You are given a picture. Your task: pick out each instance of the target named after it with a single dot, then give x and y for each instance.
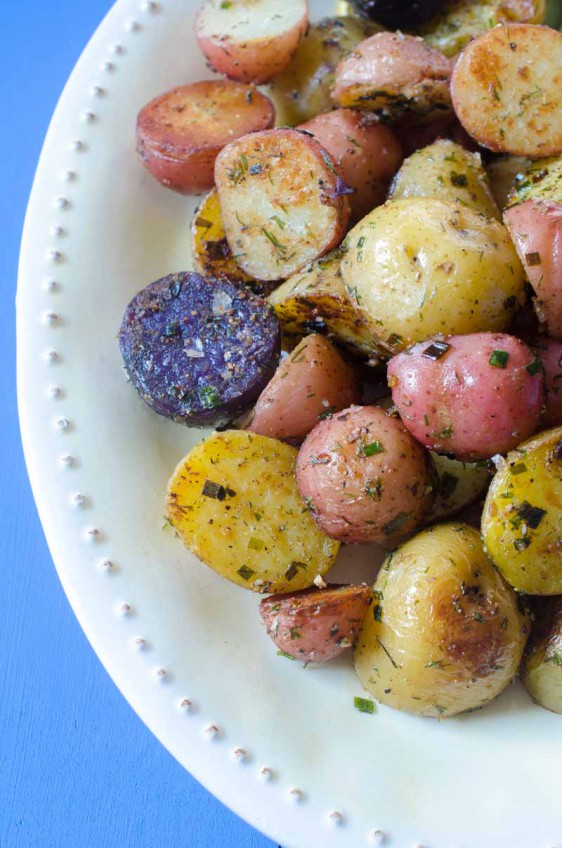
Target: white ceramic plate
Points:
(282, 746)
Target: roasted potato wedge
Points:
(522, 518)
(316, 625)
(312, 382)
(180, 133)
(421, 266)
(447, 171)
(541, 671)
(303, 89)
(507, 90)
(250, 40)
(235, 504)
(397, 76)
(210, 251)
(316, 300)
(445, 633)
(279, 217)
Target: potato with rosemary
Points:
(420, 266)
(397, 76)
(303, 89)
(507, 90)
(315, 300)
(522, 518)
(445, 633)
(234, 503)
(281, 200)
(461, 20)
(541, 672)
(447, 171)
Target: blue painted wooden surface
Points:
(77, 767)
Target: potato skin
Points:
(445, 634)
(364, 478)
(522, 516)
(459, 402)
(315, 625)
(536, 229)
(303, 89)
(507, 90)
(502, 171)
(549, 352)
(180, 133)
(366, 154)
(447, 171)
(541, 671)
(314, 379)
(460, 484)
(265, 201)
(250, 41)
(234, 503)
(421, 266)
(397, 76)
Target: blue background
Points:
(77, 767)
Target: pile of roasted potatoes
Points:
(373, 326)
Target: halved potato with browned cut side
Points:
(507, 90)
(281, 200)
(235, 504)
(541, 671)
(250, 40)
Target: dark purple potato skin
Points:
(399, 14)
(199, 350)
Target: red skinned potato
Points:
(398, 76)
(536, 229)
(281, 202)
(180, 133)
(549, 352)
(312, 382)
(316, 625)
(470, 396)
(366, 154)
(364, 478)
(251, 40)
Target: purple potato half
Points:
(199, 350)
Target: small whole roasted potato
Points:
(397, 76)
(303, 89)
(315, 625)
(421, 266)
(447, 171)
(445, 633)
(541, 671)
(364, 478)
(471, 396)
(313, 381)
(234, 503)
(522, 517)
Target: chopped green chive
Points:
(373, 448)
(255, 544)
(364, 705)
(499, 358)
(245, 572)
(534, 367)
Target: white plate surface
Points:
(283, 746)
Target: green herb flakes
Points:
(499, 358)
(364, 705)
(255, 544)
(245, 572)
(372, 449)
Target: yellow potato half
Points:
(522, 518)
(445, 633)
(235, 504)
(420, 266)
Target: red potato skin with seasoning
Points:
(460, 404)
(316, 625)
(549, 352)
(313, 380)
(180, 133)
(377, 496)
(367, 155)
(536, 229)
